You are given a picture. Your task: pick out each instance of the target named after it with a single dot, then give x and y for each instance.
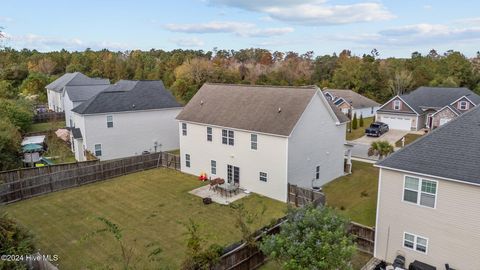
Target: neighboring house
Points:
(262, 137)
(350, 102)
(126, 119)
(75, 95)
(56, 89)
(429, 198)
(426, 107)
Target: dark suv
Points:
(376, 129)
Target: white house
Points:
(351, 103)
(75, 95)
(126, 119)
(56, 89)
(262, 137)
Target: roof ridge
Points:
(310, 86)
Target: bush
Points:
(311, 238)
(14, 240)
(9, 145)
(361, 120)
(354, 121)
(19, 112)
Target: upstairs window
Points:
(253, 141)
(109, 121)
(209, 134)
(420, 191)
(184, 129)
(228, 137)
(263, 177)
(187, 160)
(463, 105)
(317, 172)
(415, 242)
(397, 105)
(98, 150)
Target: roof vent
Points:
(279, 109)
(133, 105)
(201, 102)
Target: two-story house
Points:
(428, 206)
(126, 119)
(262, 137)
(76, 95)
(56, 89)
(426, 107)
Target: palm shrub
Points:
(380, 149)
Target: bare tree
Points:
(401, 82)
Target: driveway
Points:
(392, 136)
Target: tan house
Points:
(426, 107)
(428, 206)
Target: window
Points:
(184, 129)
(187, 160)
(98, 150)
(229, 173)
(420, 191)
(463, 105)
(213, 165)
(227, 137)
(263, 177)
(317, 172)
(109, 121)
(253, 141)
(397, 105)
(415, 242)
(71, 122)
(209, 134)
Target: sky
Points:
(396, 28)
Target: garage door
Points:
(397, 122)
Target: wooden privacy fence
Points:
(364, 237)
(300, 197)
(48, 117)
(27, 183)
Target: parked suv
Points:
(376, 129)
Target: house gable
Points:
(390, 106)
(463, 104)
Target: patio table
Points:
(228, 189)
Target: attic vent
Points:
(279, 109)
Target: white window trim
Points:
(419, 191)
(210, 134)
(317, 171)
(188, 161)
(184, 129)
(212, 167)
(395, 102)
(260, 177)
(256, 142)
(228, 137)
(110, 121)
(415, 241)
(465, 103)
(95, 150)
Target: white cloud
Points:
(242, 29)
(188, 42)
(427, 7)
(313, 12)
(5, 19)
(44, 43)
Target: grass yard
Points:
(43, 127)
(58, 150)
(360, 131)
(175, 152)
(150, 207)
(358, 261)
(409, 138)
(355, 195)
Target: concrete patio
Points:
(206, 192)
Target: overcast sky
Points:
(394, 28)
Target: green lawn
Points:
(175, 152)
(58, 150)
(358, 261)
(360, 131)
(409, 138)
(43, 127)
(355, 195)
(149, 206)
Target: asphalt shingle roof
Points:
(75, 78)
(76, 133)
(355, 99)
(84, 92)
(451, 151)
(129, 96)
(267, 109)
(437, 97)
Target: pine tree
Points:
(354, 121)
(361, 120)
